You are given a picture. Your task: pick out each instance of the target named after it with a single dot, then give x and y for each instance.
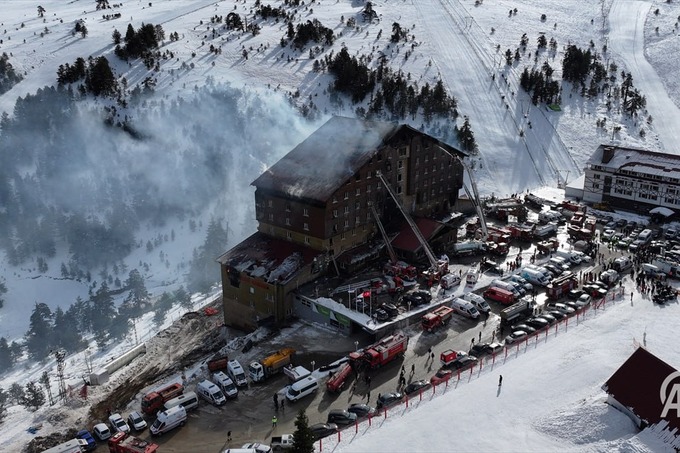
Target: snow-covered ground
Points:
(550, 398)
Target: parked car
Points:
(87, 437)
(441, 376)
(416, 298)
(559, 306)
(610, 225)
(514, 337)
(537, 323)
(463, 363)
(387, 399)
(548, 317)
(391, 309)
(482, 349)
(558, 315)
(522, 281)
(136, 421)
(381, 315)
(491, 268)
(118, 423)
(574, 294)
(524, 327)
(621, 223)
(417, 386)
(361, 410)
(341, 417)
(101, 431)
(321, 430)
(256, 447)
(584, 299)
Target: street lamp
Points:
(313, 363)
(356, 345)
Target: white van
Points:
(210, 392)
(303, 387)
(168, 419)
(465, 308)
(550, 216)
(448, 281)
(188, 400)
(236, 373)
(540, 269)
(478, 302)
(506, 286)
(645, 235)
(535, 276)
(572, 257)
(226, 384)
(72, 446)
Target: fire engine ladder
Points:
(390, 250)
(474, 197)
(426, 247)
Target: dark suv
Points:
(390, 309)
(341, 417)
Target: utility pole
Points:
(60, 355)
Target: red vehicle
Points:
(441, 376)
(501, 295)
(380, 353)
(124, 443)
(218, 364)
(337, 380)
(437, 318)
(560, 286)
(153, 401)
(449, 356)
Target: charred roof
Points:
(325, 160)
(271, 259)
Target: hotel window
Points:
(346, 209)
(335, 213)
(368, 189)
(305, 226)
(342, 236)
(398, 189)
(252, 290)
(358, 192)
(271, 217)
(287, 207)
(335, 199)
(346, 223)
(346, 195)
(307, 240)
(305, 212)
(400, 164)
(398, 177)
(402, 151)
(357, 205)
(358, 220)
(288, 235)
(270, 203)
(288, 221)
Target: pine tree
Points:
(116, 36)
(4, 397)
(133, 305)
(34, 397)
(66, 335)
(102, 313)
(45, 382)
(303, 440)
(16, 393)
(6, 361)
(467, 137)
(183, 297)
(39, 335)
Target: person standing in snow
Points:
(500, 380)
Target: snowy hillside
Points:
(461, 42)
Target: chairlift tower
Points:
(60, 355)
